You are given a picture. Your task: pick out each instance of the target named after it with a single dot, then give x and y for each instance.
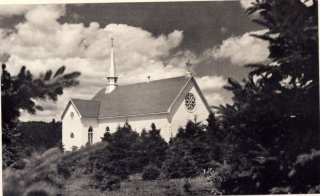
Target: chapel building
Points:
(168, 103)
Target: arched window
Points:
(90, 135)
(107, 129)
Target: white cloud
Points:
(210, 83)
(308, 3)
(247, 3)
(41, 43)
(243, 49)
(10, 10)
(211, 87)
(215, 99)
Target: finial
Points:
(112, 41)
(188, 64)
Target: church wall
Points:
(112, 123)
(137, 124)
(179, 114)
(71, 125)
(144, 122)
(87, 123)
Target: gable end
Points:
(67, 107)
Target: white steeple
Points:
(112, 78)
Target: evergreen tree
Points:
(153, 147)
(275, 114)
(118, 159)
(188, 152)
(107, 135)
(19, 93)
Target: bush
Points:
(110, 183)
(187, 186)
(151, 172)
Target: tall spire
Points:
(112, 78)
(112, 72)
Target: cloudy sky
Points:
(153, 39)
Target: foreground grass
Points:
(138, 187)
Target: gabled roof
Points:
(140, 98)
(144, 98)
(87, 108)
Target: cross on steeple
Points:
(188, 64)
(112, 41)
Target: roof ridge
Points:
(84, 99)
(153, 81)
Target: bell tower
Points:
(112, 78)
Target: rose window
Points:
(190, 102)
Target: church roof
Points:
(87, 108)
(137, 99)
(144, 98)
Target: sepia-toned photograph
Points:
(160, 98)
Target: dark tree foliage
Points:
(150, 172)
(188, 152)
(118, 159)
(218, 141)
(275, 116)
(40, 136)
(19, 93)
(152, 147)
(179, 162)
(107, 135)
(127, 153)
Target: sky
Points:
(155, 39)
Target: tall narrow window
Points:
(90, 135)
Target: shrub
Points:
(151, 172)
(217, 177)
(110, 183)
(38, 193)
(187, 186)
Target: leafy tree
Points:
(275, 116)
(19, 93)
